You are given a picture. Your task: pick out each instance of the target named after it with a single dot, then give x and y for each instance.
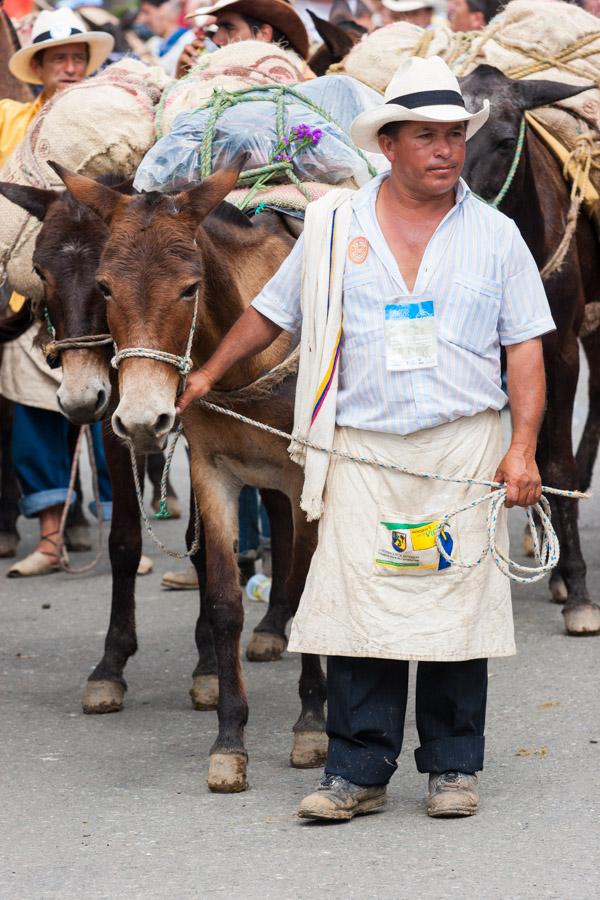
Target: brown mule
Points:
(162, 254)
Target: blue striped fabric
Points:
(486, 289)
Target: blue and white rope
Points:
(547, 555)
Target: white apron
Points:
(362, 596)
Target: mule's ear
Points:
(100, 199)
(201, 200)
(125, 187)
(536, 93)
(33, 200)
(338, 42)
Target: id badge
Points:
(409, 330)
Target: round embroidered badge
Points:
(358, 250)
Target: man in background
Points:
(471, 15)
(163, 18)
(417, 12)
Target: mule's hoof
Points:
(227, 773)
(102, 697)
(9, 542)
(205, 692)
(582, 620)
(265, 647)
(558, 590)
(173, 505)
(309, 750)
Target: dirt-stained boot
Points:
(452, 795)
(336, 798)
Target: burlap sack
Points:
(232, 68)
(105, 124)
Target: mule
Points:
(167, 258)
(66, 256)
(338, 41)
(538, 200)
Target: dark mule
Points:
(67, 255)
(338, 41)
(164, 254)
(538, 200)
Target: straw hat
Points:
(422, 90)
(56, 28)
(405, 6)
(278, 14)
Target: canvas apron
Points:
(370, 592)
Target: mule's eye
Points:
(104, 289)
(190, 292)
(39, 273)
(507, 144)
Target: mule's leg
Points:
(106, 686)
(205, 682)
(9, 488)
(268, 639)
(309, 748)
(559, 469)
(588, 446)
(217, 496)
(155, 463)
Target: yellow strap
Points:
(573, 168)
(16, 302)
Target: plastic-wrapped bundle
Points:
(256, 121)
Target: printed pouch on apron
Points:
(405, 544)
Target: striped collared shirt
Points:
(487, 292)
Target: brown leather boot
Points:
(336, 798)
(452, 795)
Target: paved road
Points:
(117, 806)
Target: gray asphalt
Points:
(117, 806)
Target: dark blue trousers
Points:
(366, 702)
(40, 447)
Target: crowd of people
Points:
(418, 207)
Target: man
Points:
(471, 15)
(61, 54)
(417, 12)
(430, 282)
(162, 17)
(272, 21)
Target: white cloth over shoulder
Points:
(354, 604)
(322, 276)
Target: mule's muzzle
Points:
(148, 431)
(86, 405)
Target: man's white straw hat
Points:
(404, 6)
(53, 28)
(422, 90)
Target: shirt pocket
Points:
(469, 315)
(362, 312)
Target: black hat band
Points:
(48, 36)
(429, 98)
